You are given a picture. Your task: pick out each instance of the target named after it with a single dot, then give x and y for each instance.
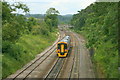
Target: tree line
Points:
(62, 19)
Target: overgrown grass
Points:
(24, 50)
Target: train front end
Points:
(62, 50)
(63, 47)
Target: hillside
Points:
(63, 19)
(99, 24)
(23, 38)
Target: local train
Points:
(63, 47)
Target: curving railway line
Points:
(47, 65)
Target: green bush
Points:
(5, 46)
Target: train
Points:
(63, 47)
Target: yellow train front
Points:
(63, 47)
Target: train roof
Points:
(65, 39)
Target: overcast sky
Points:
(63, 6)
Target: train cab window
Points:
(58, 46)
(65, 45)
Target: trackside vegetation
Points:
(98, 23)
(23, 37)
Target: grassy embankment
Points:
(98, 23)
(23, 38)
(26, 48)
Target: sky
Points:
(63, 6)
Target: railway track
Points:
(76, 62)
(69, 67)
(83, 65)
(37, 62)
(85, 62)
(56, 70)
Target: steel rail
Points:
(52, 47)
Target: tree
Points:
(52, 11)
(51, 18)
(13, 25)
(21, 6)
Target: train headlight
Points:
(58, 50)
(66, 51)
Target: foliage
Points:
(40, 16)
(21, 6)
(51, 18)
(42, 28)
(64, 19)
(22, 37)
(27, 47)
(13, 25)
(52, 11)
(98, 23)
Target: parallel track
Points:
(55, 71)
(74, 73)
(59, 64)
(70, 74)
(48, 53)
